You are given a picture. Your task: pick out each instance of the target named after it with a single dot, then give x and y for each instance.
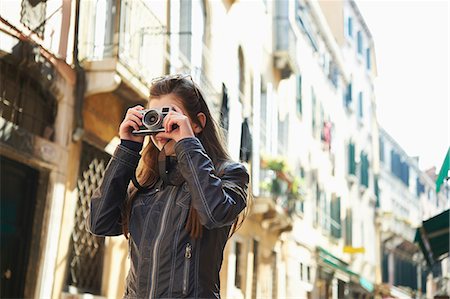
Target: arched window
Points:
(25, 99)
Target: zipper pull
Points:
(188, 252)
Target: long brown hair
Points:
(211, 137)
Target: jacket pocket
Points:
(187, 263)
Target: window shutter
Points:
(186, 28)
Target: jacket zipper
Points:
(187, 257)
(156, 247)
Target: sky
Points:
(411, 41)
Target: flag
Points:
(443, 173)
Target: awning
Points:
(433, 237)
(329, 259)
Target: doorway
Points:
(18, 190)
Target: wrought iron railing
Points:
(142, 43)
(85, 264)
(142, 40)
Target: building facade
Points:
(407, 196)
(293, 90)
(37, 103)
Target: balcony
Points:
(281, 196)
(122, 46)
(284, 42)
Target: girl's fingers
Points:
(134, 118)
(134, 112)
(170, 123)
(172, 119)
(130, 123)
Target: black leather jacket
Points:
(165, 261)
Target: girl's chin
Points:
(167, 144)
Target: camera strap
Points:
(136, 183)
(168, 169)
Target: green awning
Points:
(331, 260)
(443, 173)
(433, 237)
(366, 284)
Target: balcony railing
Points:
(142, 40)
(284, 46)
(139, 42)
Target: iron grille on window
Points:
(237, 276)
(86, 257)
(32, 15)
(25, 96)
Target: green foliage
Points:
(276, 164)
(284, 183)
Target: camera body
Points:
(152, 120)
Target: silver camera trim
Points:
(146, 129)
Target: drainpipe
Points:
(80, 82)
(166, 62)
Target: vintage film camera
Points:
(152, 120)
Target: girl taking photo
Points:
(178, 202)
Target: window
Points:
(360, 42)
(314, 112)
(333, 74)
(192, 25)
(317, 206)
(351, 159)
(364, 176)
(86, 253)
(265, 118)
(26, 99)
(348, 95)
(399, 167)
(381, 150)
(420, 188)
(376, 191)
(360, 105)
(335, 216)
(283, 134)
(325, 212)
(368, 61)
(308, 273)
(299, 94)
(301, 271)
(348, 228)
(350, 27)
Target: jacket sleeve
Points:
(218, 201)
(106, 202)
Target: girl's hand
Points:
(132, 121)
(183, 128)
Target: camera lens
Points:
(151, 118)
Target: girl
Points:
(184, 199)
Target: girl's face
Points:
(157, 103)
